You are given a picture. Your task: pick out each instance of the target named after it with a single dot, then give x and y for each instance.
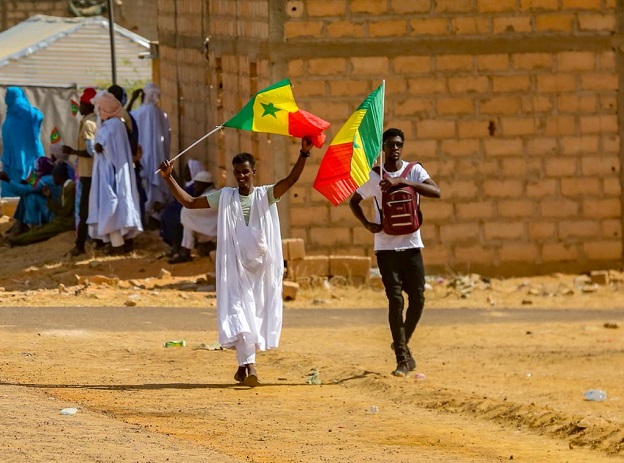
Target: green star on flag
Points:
(269, 110)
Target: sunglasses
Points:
(392, 144)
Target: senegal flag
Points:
(273, 110)
(347, 162)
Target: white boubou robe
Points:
(155, 140)
(250, 269)
(114, 209)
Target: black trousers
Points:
(403, 271)
(83, 213)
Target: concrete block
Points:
(307, 267)
(600, 277)
(293, 249)
(352, 267)
(289, 290)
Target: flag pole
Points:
(218, 127)
(383, 110)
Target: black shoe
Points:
(402, 370)
(128, 246)
(411, 363)
(76, 252)
(180, 258)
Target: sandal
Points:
(240, 374)
(251, 380)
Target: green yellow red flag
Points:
(55, 136)
(347, 163)
(75, 107)
(274, 110)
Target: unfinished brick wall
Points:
(13, 12)
(510, 105)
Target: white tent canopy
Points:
(48, 50)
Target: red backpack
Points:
(400, 210)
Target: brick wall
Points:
(510, 105)
(13, 12)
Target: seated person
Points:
(171, 229)
(200, 225)
(62, 208)
(32, 207)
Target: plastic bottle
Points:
(180, 343)
(595, 395)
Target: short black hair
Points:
(242, 158)
(390, 133)
(117, 91)
(60, 170)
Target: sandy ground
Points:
(489, 388)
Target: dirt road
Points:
(498, 385)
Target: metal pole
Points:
(111, 31)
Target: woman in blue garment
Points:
(21, 141)
(32, 209)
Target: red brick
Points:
(426, 86)
(556, 82)
(459, 189)
(328, 66)
(580, 186)
(611, 186)
(299, 29)
(454, 63)
(367, 7)
(532, 61)
(611, 228)
(413, 6)
(437, 211)
(576, 61)
(293, 248)
(308, 266)
(570, 102)
(560, 125)
(453, 6)
(348, 88)
(515, 208)
(327, 8)
(460, 148)
(413, 106)
(599, 81)
(472, 129)
(542, 146)
(330, 236)
(366, 66)
(503, 146)
(581, 4)
(514, 126)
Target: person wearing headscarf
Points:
(21, 138)
(32, 207)
(85, 152)
(114, 210)
(62, 207)
(155, 140)
(132, 129)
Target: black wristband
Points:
(304, 155)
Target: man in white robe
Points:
(114, 209)
(155, 141)
(249, 264)
(199, 225)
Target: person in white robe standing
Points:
(155, 140)
(249, 263)
(114, 209)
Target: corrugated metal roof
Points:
(59, 51)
